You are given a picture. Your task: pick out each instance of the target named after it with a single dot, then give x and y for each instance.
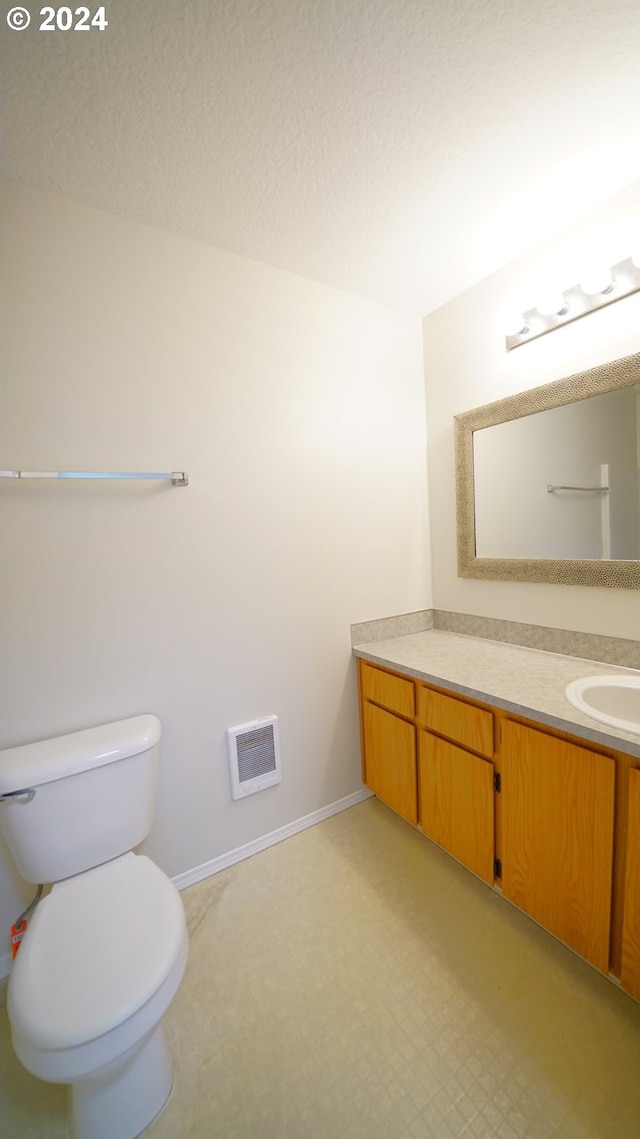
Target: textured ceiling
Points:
(400, 149)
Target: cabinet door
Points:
(630, 974)
(390, 760)
(457, 802)
(557, 837)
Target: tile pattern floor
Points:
(354, 982)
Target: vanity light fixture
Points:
(597, 289)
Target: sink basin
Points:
(613, 700)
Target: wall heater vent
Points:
(254, 756)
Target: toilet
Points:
(106, 949)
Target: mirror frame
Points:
(623, 574)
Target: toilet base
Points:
(126, 1097)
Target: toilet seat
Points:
(99, 947)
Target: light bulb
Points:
(553, 305)
(597, 282)
(517, 325)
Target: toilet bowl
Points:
(105, 951)
(99, 966)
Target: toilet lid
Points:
(97, 948)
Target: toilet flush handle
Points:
(26, 793)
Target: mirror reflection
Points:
(561, 483)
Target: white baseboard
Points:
(190, 877)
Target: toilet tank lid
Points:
(30, 765)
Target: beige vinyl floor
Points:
(354, 981)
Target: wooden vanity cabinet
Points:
(557, 836)
(456, 786)
(554, 824)
(389, 739)
(425, 778)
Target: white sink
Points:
(613, 700)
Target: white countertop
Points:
(526, 681)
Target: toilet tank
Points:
(82, 799)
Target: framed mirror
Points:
(548, 482)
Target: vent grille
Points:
(254, 756)
(256, 753)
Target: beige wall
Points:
(298, 412)
(466, 365)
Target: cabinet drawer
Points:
(391, 692)
(463, 723)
